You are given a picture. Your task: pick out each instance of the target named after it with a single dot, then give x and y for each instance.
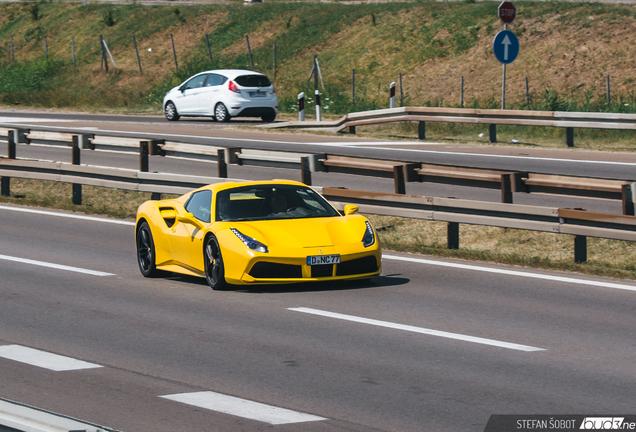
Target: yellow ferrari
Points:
(267, 232)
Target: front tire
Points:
(146, 258)
(171, 112)
(214, 266)
(221, 114)
(268, 118)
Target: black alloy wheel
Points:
(146, 251)
(213, 262)
(171, 112)
(220, 113)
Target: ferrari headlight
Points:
(369, 236)
(251, 243)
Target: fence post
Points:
(174, 53)
(452, 234)
(274, 60)
(305, 171)
(398, 179)
(401, 90)
(318, 107)
(580, 249)
(249, 50)
(75, 160)
(73, 49)
(392, 98)
(221, 164)
(137, 52)
(46, 49)
(353, 86)
(569, 136)
(301, 106)
(527, 93)
(207, 43)
(104, 59)
(609, 100)
(11, 49)
(461, 92)
(421, 130)
(629, 196)
(492, 133)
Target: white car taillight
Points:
(232, 87)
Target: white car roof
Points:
(232, 73)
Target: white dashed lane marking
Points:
(43, 359)
(426, 331)
(242, 408)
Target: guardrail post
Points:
(85, 141)
(352, 130)
(629, 192)
(75, 160)
(231, 155)
(452, 232)
(143, 156)
(506, 189)
(421, 130)
(398, 179)
(305, 171)
(221, 164)
(5, 182)
(580, 249)
(392, 97)
(492, 133)
(569, 136)
(301, 106)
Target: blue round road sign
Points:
(505, 46)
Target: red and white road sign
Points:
(507, 12)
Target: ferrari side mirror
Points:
(350, 209)
(189, 219)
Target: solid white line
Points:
(242, 408)
(55, 266)
(513, 273)
(421, 330)
(67, 215)
(44, 359)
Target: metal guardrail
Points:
(491, 117)
(508, 181)
(581, 224)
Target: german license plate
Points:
(258, 94)
(323, 259)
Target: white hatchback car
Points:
(223, 94)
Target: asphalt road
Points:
(548, 343)
(205, 131)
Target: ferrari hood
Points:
(311, 232)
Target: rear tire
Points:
(221, 114)
(146, 258)
(268, 118)
(213, 263)
(171, 112)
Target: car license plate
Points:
(258, 94)
(323, 259)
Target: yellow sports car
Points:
(267, 232)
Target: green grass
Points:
(393, 37)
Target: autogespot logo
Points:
(607, 423)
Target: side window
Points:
(200, 205)
(196, 82)
(215, 80)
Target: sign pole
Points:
(503, 81)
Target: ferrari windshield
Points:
(263, 202)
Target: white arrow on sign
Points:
(506, 42)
